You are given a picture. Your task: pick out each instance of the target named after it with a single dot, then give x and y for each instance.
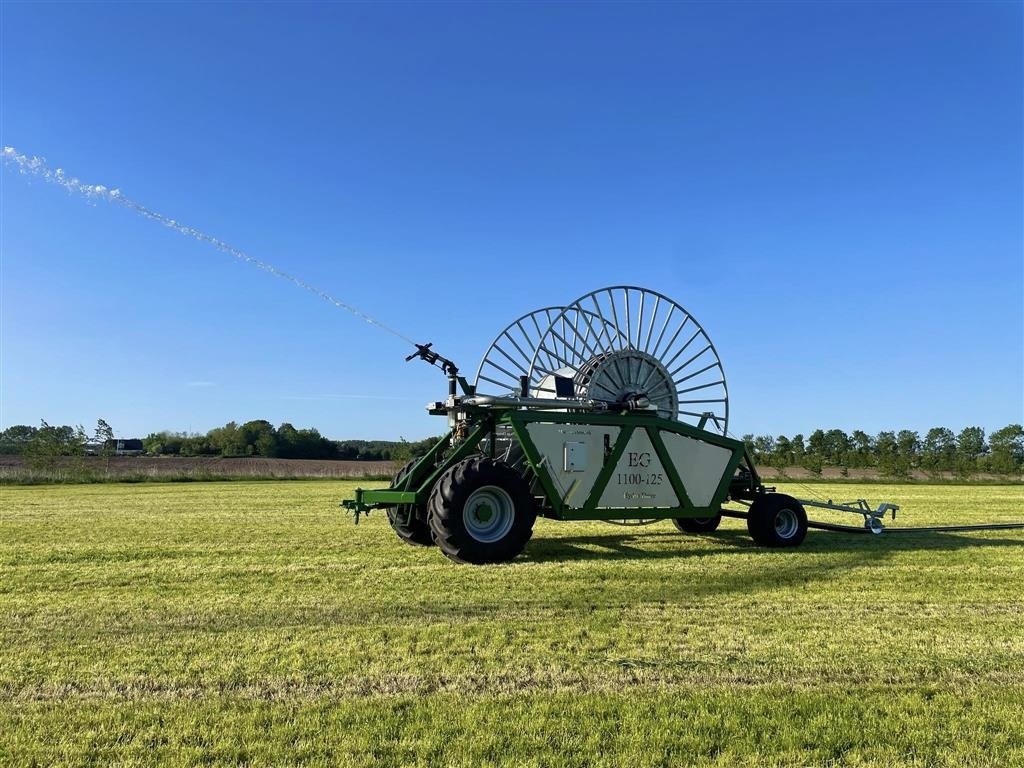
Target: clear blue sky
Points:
(834, 190)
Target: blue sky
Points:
(834, 191)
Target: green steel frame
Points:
(416, 486)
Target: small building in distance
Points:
(127, 447)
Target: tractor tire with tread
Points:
(777, 520)
(408, 520)
(697, 524)
(481, 511)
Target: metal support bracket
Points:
(872, 517)
(356, 505)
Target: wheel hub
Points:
(488, 514)
(786, 523)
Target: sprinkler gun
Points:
(450, 369)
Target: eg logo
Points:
(639, 459)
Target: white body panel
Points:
(574, 455)
(585, 443)
(639, 480)
(700, 465)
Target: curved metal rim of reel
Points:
(558, 311)
(504, 331)
(577, 305)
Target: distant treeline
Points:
(893, 453)
(253, 438)
(896, 453)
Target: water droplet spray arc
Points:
(37, 167)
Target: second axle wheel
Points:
(481, 511)
(697, 524)
(777, 520)
(409, 521)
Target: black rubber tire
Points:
(408, 520)
(765, 527)
(447, 502)
(697, 524)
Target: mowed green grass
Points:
(253, 623)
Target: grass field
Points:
(252, 623)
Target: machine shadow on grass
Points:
(641, 545)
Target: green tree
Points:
(782, 457)
(259, 438)
(863, 448)
(153, 443)
(887, 451)
(970, 447)
(1006, 448)
(816, 444)
(103, 439)
(166, 443)
(49, 444)
(228, 440)
(748, 442)
(813, 463)
(287, 441)
(764, 447)
(402, 452)
(799, 449)
(200, 445)
(908, 446)
(15, 439)
(938, 451)
(836, 446)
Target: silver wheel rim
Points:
(786, 524)
(488, 514)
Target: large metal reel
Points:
(510, 356)
(626, 341)
(512, 352)
(506, 359)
